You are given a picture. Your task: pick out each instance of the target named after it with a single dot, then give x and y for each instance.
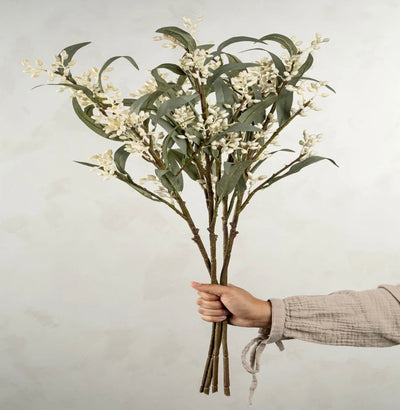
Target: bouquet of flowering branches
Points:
(215, 120)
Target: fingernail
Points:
(195, 283)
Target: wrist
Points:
(263, 314)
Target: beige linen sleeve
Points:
(368, 318)
(347, 318)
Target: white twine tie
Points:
(253, 366)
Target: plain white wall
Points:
(96, 308)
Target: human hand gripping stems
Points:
(237, 307)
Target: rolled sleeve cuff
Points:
(277, 321)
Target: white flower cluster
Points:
(111, 113)
(252, 179)
(307, 142)
(160, 190)
(191, 25)
(183, 116)
(200, 64)
(243, 82)
(58, 65)
(106, 162)
(216, 120)
(267, 75)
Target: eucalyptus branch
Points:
(127, 179)
(279, 129)
(196, 237)
(267, 181)
(232, 234)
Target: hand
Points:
(219, 302)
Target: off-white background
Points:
(96, 309)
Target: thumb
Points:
(214, 289)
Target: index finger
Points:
(208, 296)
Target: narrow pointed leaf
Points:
(305, 67)
(170, 181)
(145, 102)
(89, 122)
(228, 68)
(88, 164)
(109, 62)
(229, 180)
(286, 42)
(171, 67)
(313, 79)
(77, 87)
(237, 127)
(283, 106)
(180, 159)
(299, 166)
(236, 39)
(205, 46)
(223, 93)
(278, 63)
(182, 36)
(71, 50)
(120, 157)
(174, 103)
(258, 163)
(256, 113)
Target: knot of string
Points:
(253, 365)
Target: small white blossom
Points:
(106, 162)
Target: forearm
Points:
(347, 318)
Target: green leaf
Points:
(258, 163)
(233, 59)
(171, 67)
(276, 60)
(163, 123)
(278, 63)
(182, 36)
(242, 127)
(110, 61)
(286, 42)
(120, 157)
(88, 164)
(174, 103)
(128, 181)
(223, 93)
(237, 127)
(77, 87)
(71, 50)
(236, 39)
(299, 166)
(313, 79)
(145, 102)
(305, 67)
(283, 106)
(167, 144)
(89, 122)
(139, 189)
(228, 68)
(256, 113)
(230, 178)
(170, 181)
(181, 143)
(177, 157)
(205, 46)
